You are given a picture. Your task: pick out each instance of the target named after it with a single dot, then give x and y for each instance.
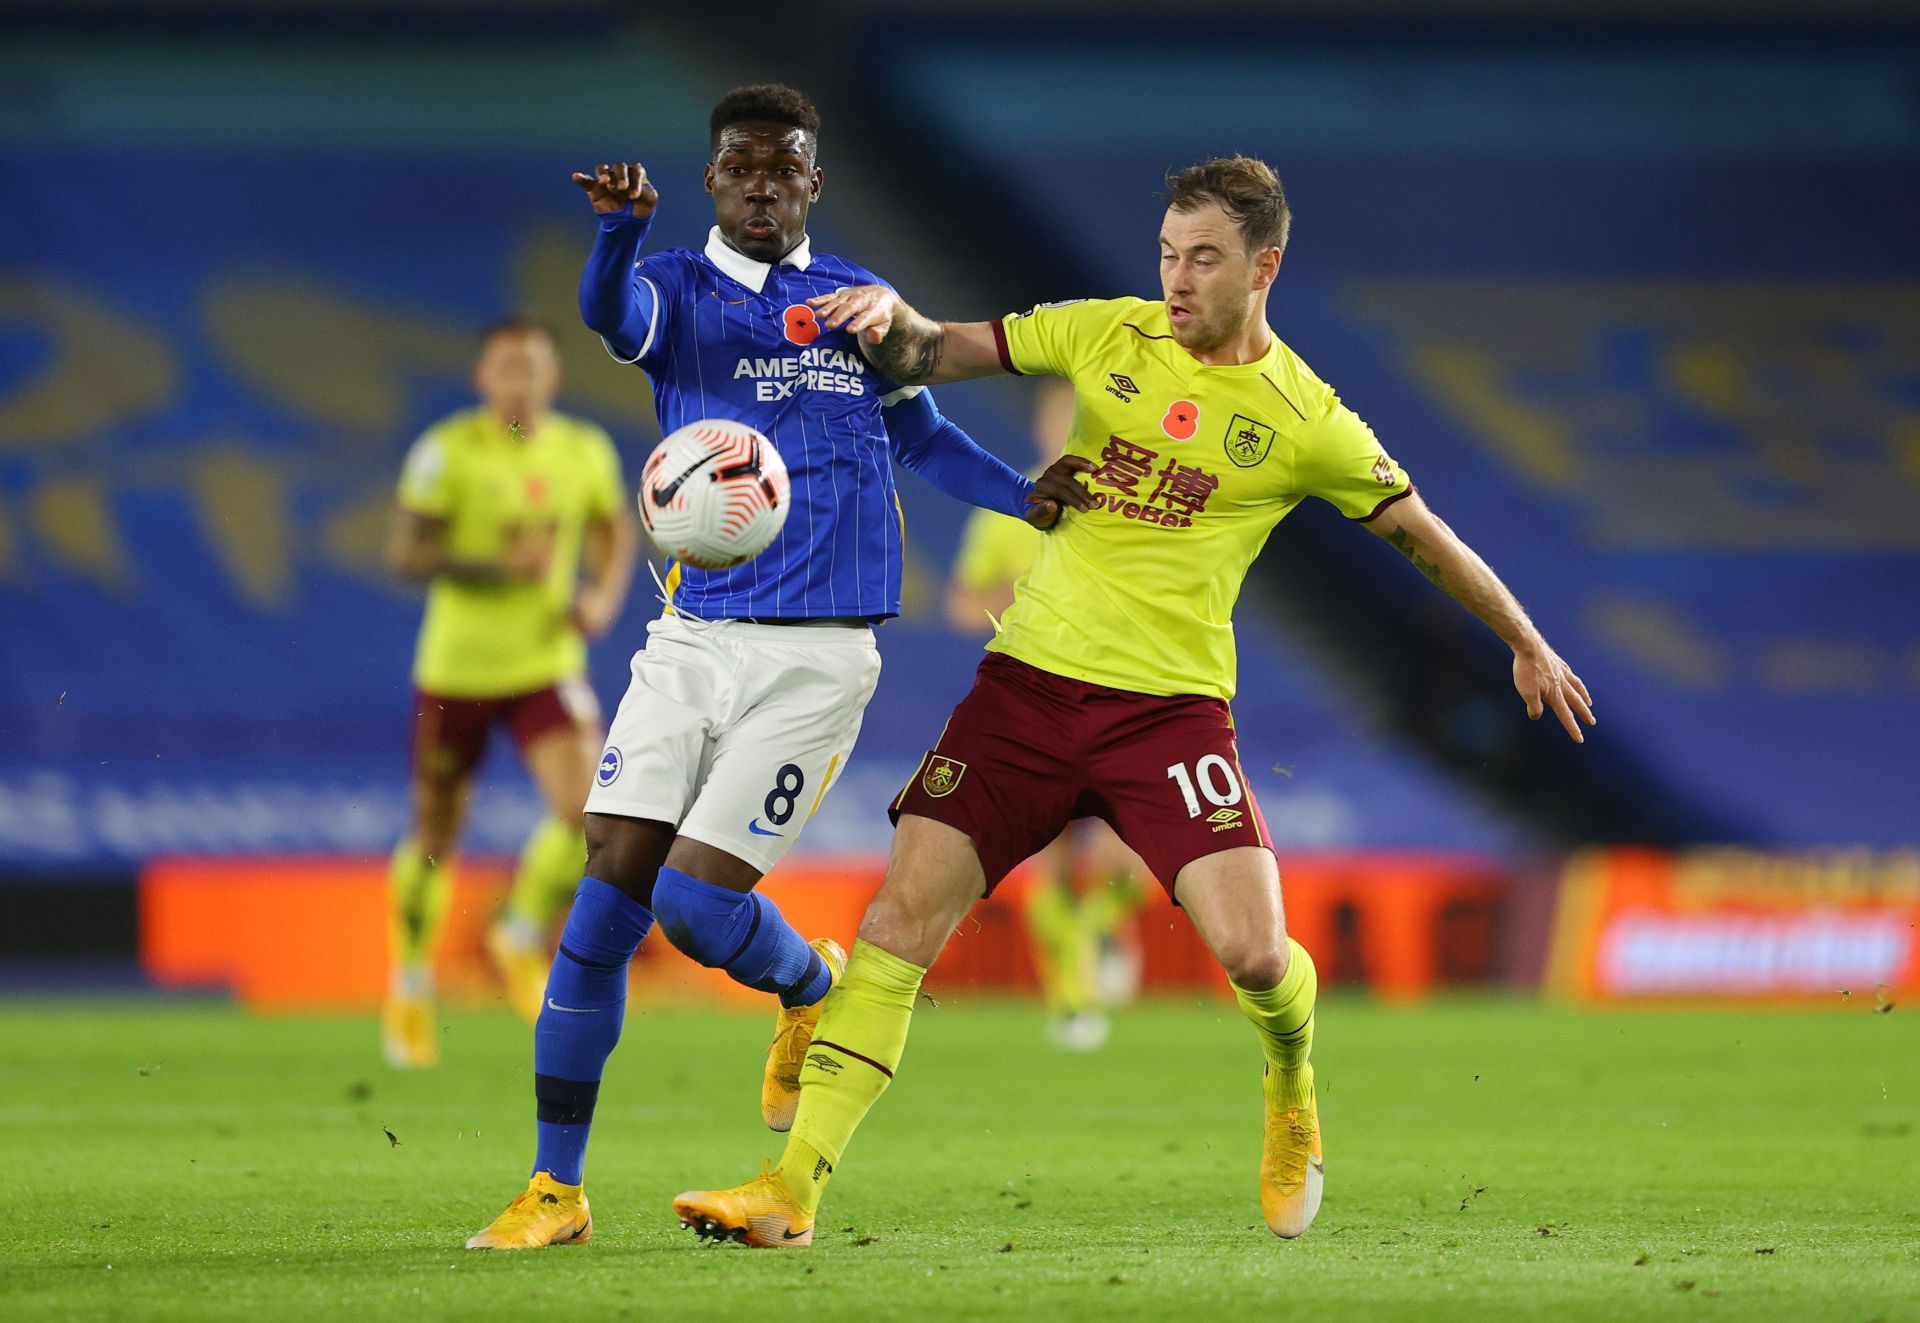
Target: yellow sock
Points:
(1284, 1018)
(547, 875)
(856, 1047)
(1062, 950)
(418, 889)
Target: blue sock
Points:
(580, 1023)
(741, 932)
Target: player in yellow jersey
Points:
(1198, 430)
(1079, 906)
(500, 509)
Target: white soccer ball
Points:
(713, 494)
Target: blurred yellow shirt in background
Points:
(489, 486)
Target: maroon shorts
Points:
(1027, 751)
(450, 734)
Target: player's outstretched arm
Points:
(611, 300)
(1539, 674)
(934, 447)
(912, 349)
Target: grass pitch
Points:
(1485, 1159)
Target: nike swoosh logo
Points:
(664, 495)
(792, 1235)
(758, 830)
(553, 1005)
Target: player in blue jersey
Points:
(746, 700)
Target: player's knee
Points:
(700, 919)
(626, 853)
(1255, 967)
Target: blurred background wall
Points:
(1633, 292)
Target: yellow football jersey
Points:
(1196, 466)
(493, 640)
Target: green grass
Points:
(1486, 1159)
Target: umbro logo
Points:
(824, 1062)
(1222, 819)
(1121, 387)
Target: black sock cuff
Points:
(815, 967)
(564, 1102)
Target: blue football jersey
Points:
(729, 337)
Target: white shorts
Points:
(733, 732)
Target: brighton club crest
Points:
(942, 776)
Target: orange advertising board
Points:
(1719, 924)
(311, 932)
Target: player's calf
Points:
(741, 932)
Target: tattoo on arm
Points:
(1403, 540)
(911, 352)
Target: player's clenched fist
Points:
(867, 311)
(623, 184)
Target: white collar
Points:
(744, 269)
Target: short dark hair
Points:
(1246, 188)
(515, 323)
(773, 102)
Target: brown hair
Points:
(1246, 188)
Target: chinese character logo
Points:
(1247, 441)
(1183, 488)
(1124, 465)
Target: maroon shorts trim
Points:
(450, 734)
(1028, 751)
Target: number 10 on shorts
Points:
(1214, 777)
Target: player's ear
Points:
(1266, 267)
(707, 178)
(818, 180)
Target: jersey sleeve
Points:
(656, 284)
(607, 490)
(1054, 338)
(426, 480)
(1341, 461)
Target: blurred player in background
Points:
(1106, 688)
(1084, 948)
(748, 697)
(501, 508)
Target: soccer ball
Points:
(713, 494)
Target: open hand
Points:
(623, 184)
(1545, 681)
(1059, 489)
(867, 311)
